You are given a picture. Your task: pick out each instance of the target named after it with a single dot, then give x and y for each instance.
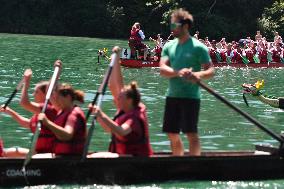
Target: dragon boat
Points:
(264, 163)
(135, 63)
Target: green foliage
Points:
(273, 19)
(114, 18)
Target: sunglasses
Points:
(175, 25)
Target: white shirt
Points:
(141, 34)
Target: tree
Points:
(273, 19)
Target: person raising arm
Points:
(129, 128)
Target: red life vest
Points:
(276, 55)
(237, 56)
(223, 56)
(158, 50)
(76, 145)
(212, 54)
(46, 138)
(228, 53)
(1, 148)
(263, 56)
(134, 35)
(137, 142)
(249, 54)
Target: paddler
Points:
(129, 128)
(135, 41)
(255, 90)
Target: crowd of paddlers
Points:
(248, 50)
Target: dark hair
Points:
(131, 91)
(65, 89)
(183, 16)
(42, 85)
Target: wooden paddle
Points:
(20, 84)
(38, 128)
(98, 97)
(244, 114)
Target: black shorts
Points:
(181, 114)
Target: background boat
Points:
(134, 63)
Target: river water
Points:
(220, 128)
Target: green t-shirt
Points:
(191, 54)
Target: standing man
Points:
(181, 62)
(135, 41)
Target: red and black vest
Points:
(276, 55)
(263, 56)
(237, 56)
(212, 53)
(134, 35)
(76, 145)
(137, 142)
(46, 138)
(250, 54)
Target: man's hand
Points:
(189, 75)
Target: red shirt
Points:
(276, 55)
(263, 56)
(237, 56)
(137, 142)
(212, 54)
(77, 119)
(134, 35)
(46, 138)
(250, 54)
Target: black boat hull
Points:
(132, 170)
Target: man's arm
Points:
(167, 71)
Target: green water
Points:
(220, 128)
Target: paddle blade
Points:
(218, 57)
(20, 84)
(256, 59)
(245, 100)
(245, 60)
(228, 60)
(281, 59)
(269, 56)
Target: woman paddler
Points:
(129, 128)
(45, 141)
(69, 125)
(135, 41)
